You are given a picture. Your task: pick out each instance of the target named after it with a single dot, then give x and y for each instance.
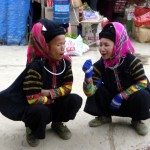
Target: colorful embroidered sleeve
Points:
(66, 87)
(38, 99)
(137, 72)
(32, 86)
(90, 88)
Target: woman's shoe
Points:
(62, 130)
(98, 121)
(32, 141)
(140, 127)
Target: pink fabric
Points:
(37, 46)
(122, 47)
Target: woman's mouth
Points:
(62, 54)
(103, 55)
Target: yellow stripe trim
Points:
(32, 101)
(133, 61)
(139, 77)
(70, 75)
(133, 88)
(62, 91)
(32, 88)
(96, 70)
(33, 82)
(31, 76)
(137, 71)
(68, 87)
(45, 100)
(33, 71)
(137, 65)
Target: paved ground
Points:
(117, 136)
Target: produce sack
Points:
(143, 20)
(141, 34)
(140, 11)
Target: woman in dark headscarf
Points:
(48, 83)
(116, 84)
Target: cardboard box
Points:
(141, 34)
(49, 13)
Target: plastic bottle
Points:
(61, 11)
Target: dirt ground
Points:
(116, 136)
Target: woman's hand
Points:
(45, 92)
(88, 80)
(88, 68)
(116, 102)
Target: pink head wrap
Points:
(122, 47)
(37, 46)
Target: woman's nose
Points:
(102, 48)
(63, 47)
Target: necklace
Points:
(56, 74)
(114, 67)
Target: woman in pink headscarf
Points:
(116, 84)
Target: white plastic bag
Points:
(74, 46)
(85, 48)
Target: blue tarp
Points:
(13, 21)
(3, 16)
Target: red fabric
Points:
(142, 16)
(140, 11)
(37, 46)
(143, 20)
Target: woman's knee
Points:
(75, 100)
(39, 110)
(142, 97)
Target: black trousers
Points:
(137, 106)
(62, 110)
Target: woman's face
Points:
(57, 47)
(106, 48)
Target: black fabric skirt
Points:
(62, 110)
(137, 106)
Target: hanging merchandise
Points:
(49, 3)
(61, 11)
(120, 6)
